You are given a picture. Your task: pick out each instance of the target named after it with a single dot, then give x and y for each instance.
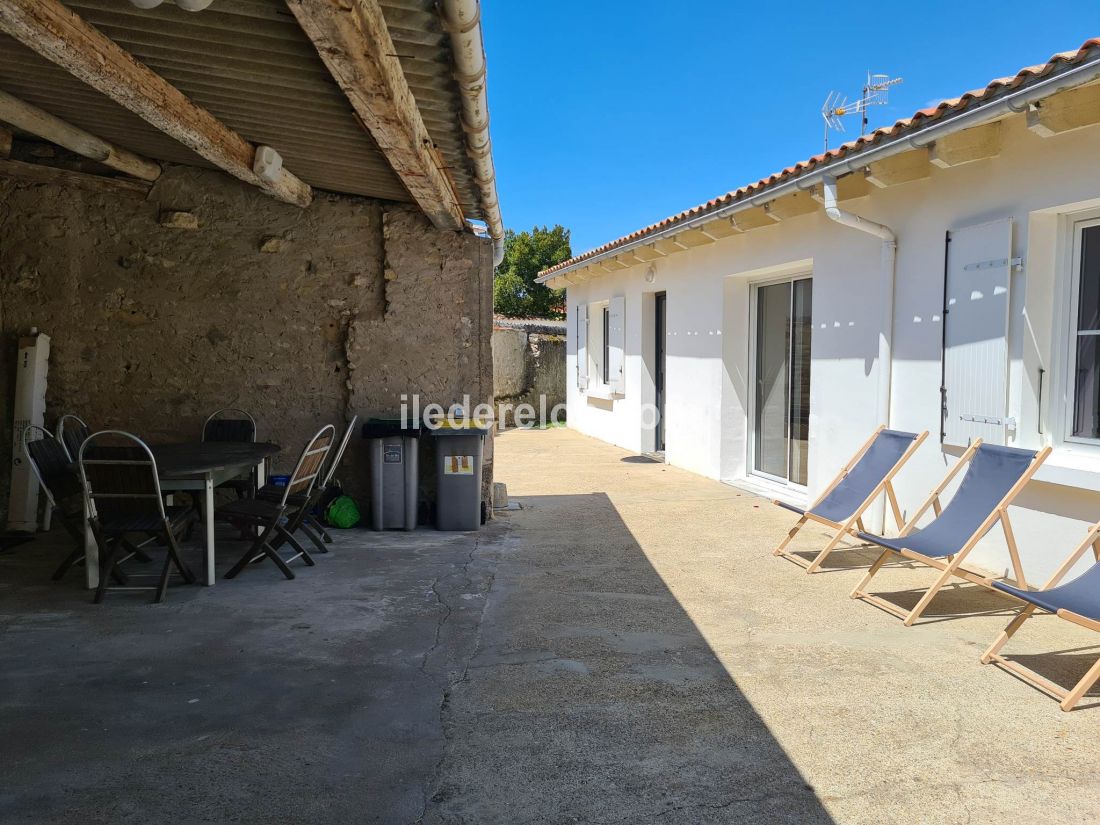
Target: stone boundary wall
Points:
(528, 363)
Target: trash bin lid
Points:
(463, 426)
(387, 427)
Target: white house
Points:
(776, 326)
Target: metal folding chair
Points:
(124, 497)
(276, 520)
(233, 425)
(71, 432)
(52, 467)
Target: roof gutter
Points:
(462, 19)
(1012, 103)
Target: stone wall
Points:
(528, 364)
(302, 317)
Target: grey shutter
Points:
(975, 353)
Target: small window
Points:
(606, 361)
(1085, 378)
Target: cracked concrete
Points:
(622, 649)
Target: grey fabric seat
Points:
(1080, 596)
(991, 474)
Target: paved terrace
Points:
(624, 649)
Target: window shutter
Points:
(616, 331)
(975, 333)
(582, 346)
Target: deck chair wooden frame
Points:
(1068, 699)
(855, 521)
(952, 568)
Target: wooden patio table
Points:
(194, 466)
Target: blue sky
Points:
(608, 115)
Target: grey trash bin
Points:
(458, 454)
(392, 452)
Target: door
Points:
(781, 400)
(659, 369)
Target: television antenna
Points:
(876, 92)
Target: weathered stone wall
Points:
(528, 364)
(302, 317)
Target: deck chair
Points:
(71, 432)
(122, 486)
(275, 520)
(994, 477)
(1078, 602)
(861, 481)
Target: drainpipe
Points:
(889, 256)
(462, 20)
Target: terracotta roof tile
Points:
(919, 119)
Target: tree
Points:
(515, 292)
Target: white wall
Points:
(708, 292)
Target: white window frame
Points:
(750, 458)
(1067, 345)
(596, 347)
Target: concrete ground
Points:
(622, 649)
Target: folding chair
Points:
(994, 477)
(124, 497)
(233, 425)
(1078, 602)
(304, 519)
(52, 467)
(861, 481)
(72, 432)
(275, 520)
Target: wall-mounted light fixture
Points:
(186, 5)
(651, 274)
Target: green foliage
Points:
(515, 293)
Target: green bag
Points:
(342, 512)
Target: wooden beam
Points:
(38, 122)
(852, 185)
(62, 37)
(722, 228)
(791, 206)
(354, 42)
(668, 246)
(611, 265)
(647, 253)
(1065, 111)
(754, 218)
(628, 258)
(694, 237)
(901, 168)
(39, 173)
(967, 146)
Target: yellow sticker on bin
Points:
(458, 465)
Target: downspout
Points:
(889, 257)
(462, 20)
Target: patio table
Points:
(199, 466)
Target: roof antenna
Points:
(876, 92)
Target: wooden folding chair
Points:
(274, 518)
(995, 476)
(856, 487)
(1078, 602)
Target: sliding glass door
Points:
(781, 404)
